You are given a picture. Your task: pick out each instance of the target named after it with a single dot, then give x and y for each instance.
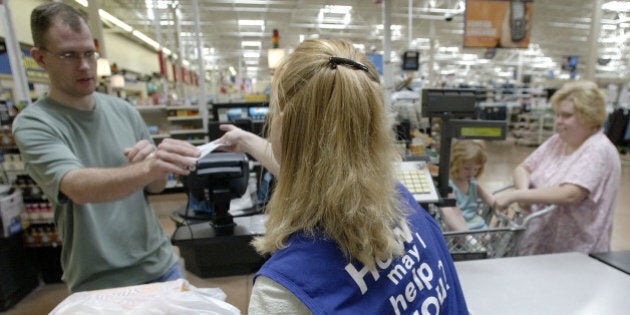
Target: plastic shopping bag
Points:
(173, 297)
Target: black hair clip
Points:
(334, 61)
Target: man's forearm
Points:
(93, 185)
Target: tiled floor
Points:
(503, 156)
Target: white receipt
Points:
(207, 148)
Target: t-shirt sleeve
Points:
(269, 297)
(590, 170)
(534, 160)
(46, 158)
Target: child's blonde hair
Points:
(467, 151)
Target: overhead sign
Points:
(498, 23)
(33, 71)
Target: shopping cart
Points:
(501, 239)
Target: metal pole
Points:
(387, 47)
(16, 60)
(591, 56)
(180, 58)
(201, 102)
(94, 21)
(160, 40)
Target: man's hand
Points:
(170, 156)
(139, 152)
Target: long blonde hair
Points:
(337, 155)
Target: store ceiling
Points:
(560, 28)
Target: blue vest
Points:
(422, 281)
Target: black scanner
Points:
(222, 247)
(217, 178)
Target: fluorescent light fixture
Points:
(146, 39)
(161, 5)
(104, 14)
(117, 81)
(232, 70)
(617, 6)
(251, 23)
(251, 43)
(337, 9)
(251, 62)
(326, 15)
(274, 57)
(251, 54)
(360, 47)
(102, 68)
(82, 2)
(166, 51)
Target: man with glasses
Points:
(93, 157)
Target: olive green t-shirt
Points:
(105, 245)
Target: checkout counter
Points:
(565, 283)
(220, 245)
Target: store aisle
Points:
(503, 157)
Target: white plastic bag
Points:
(173, 297)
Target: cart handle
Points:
(539, 213)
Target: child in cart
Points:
(468, 158)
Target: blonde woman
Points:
(578, 169)
(343, 236)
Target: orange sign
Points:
(498, 23)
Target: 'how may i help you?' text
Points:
(409, 271)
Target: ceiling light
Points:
(103, 68)
(253, 43)
(275, 57)
(251, 54)
(251, 23)
(326, 18)
(232, 70)
(145, 39)
(105, 15)
(617, 6)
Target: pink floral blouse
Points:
(584, 227)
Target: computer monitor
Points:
(411, 60)
(258, 113)
(458, 103)
(235, 113)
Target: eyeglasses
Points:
(73, 57)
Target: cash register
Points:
(457, 110)
(220, 245)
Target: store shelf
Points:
(151, 108)
(533, 128)
(174, 121)
(187, 132)
(184, 118)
